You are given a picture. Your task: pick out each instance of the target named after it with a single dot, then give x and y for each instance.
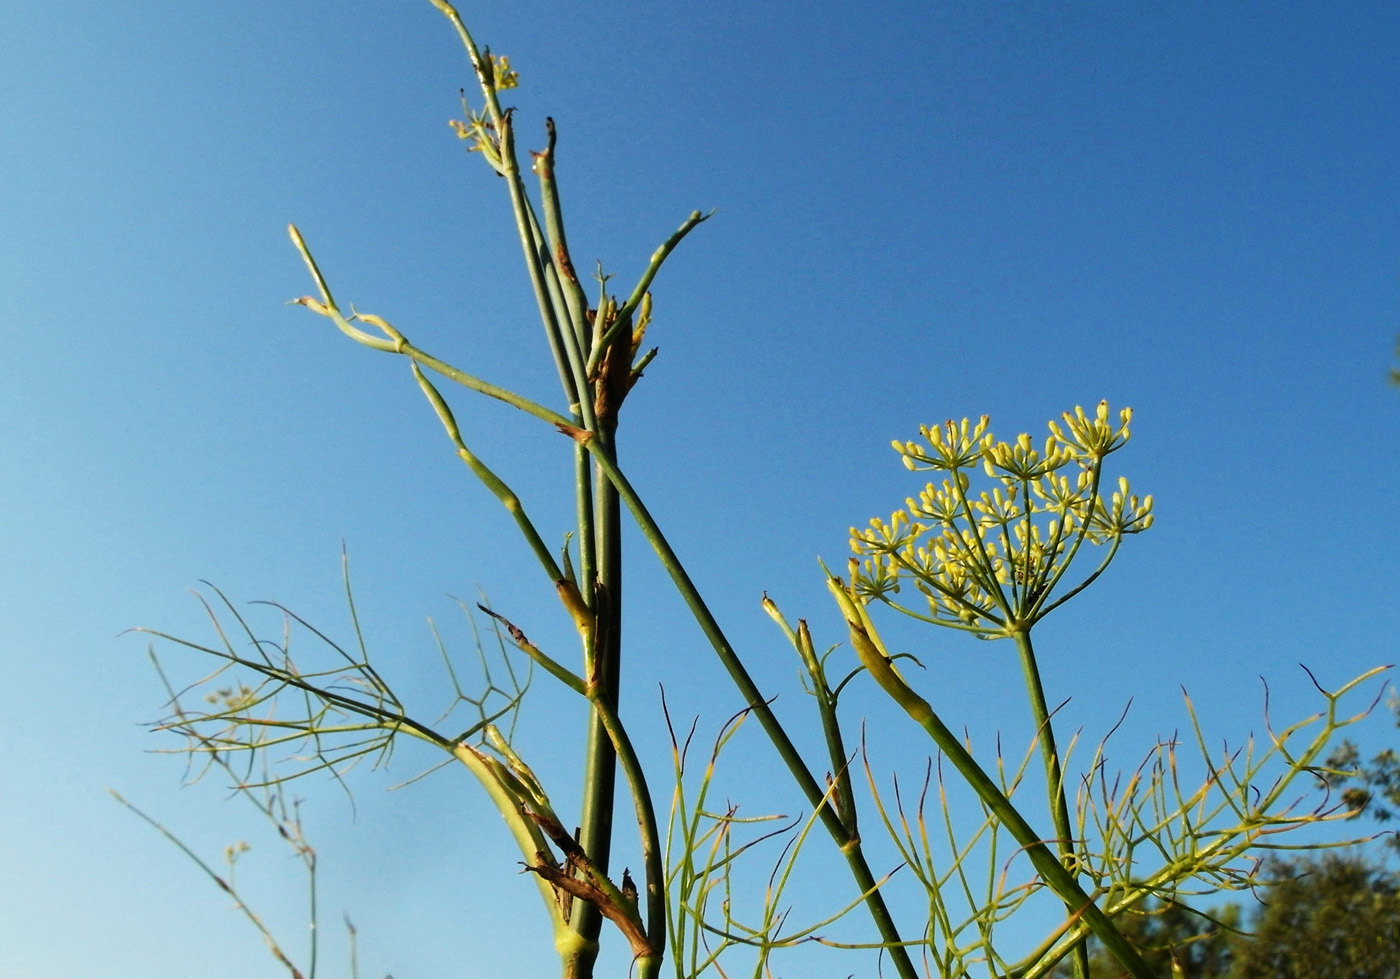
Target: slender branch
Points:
(223, 885)
(1042, 858)
(574, 297)
(394, 342)
(849, 845)
(623, 319)
(551, 666)
(489, 479)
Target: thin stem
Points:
(985, 575)
(394, 342)
(1081, 905)
(1054, 775)
(801, 639)
(489, 479)
(655, 871)
(1040, 613)
(550, 665)
(1081, 532)
(224, 885)
(534, 263)
(575, 380)
(574, 297)
(520, 203)
(623, 319)
(583, 503)
(848, 844)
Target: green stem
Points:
(575, 381)
(600, 772)
(1041, 612)
(483, 387)
(985, 574)
(1081, 906)
(655, 871)
(534, 263)
(394, 342)
(623, 319)
(847, 843)
(574, 297)
(801, 640)
(525, 222)
(1054, 774)
(600, 535)
(1080, 535)
(587, 548)
(494, 483)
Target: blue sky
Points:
(923, 211)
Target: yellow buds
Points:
(997, 507)
(885, 537)
(1021, 461)
(1094, 437)
(951, 446)
(940, 503)
(479, 129)
(986, 560)
(643, 321)
(1057, 495)
(502, 77)
(1127, 514)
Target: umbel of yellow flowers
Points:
(993, 561)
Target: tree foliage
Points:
(1334, 917)
(1167, 932)
(1329, 918)
(1370, 789)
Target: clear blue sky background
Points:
(924, 211)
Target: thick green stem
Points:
(1045, 735)
(654, 871)
(600, 774)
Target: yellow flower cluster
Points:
(477, 127)
(990, 561)
(502, 77)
